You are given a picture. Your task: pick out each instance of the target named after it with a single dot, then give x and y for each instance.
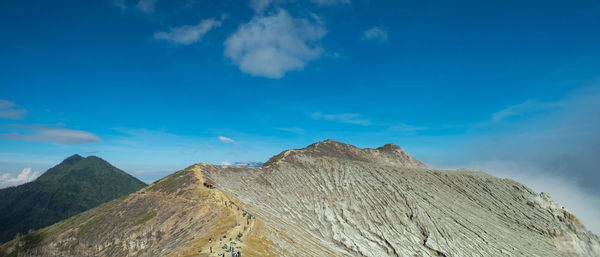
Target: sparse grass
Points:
(92, 224)
(145, 218)
(32, 239)
(168, 184)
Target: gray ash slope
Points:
(383, 202)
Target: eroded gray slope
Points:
(383, 202)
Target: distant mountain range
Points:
(71, 187)
(248, 164)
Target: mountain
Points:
(71, 187)
(248, 164)
(327, 199)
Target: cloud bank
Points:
(26, 175)
(553, 147)
(270, 46)
(565, 191)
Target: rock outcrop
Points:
(328, 199)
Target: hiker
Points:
(211, 249)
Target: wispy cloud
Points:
(10, 110)
(294, 130)
(49, 134)
(261, 5)
(187, 34)
(406, 128)
(330, 2)
(270, 46)
(527, 107)
(226, 140)
(146, 6)
(143, 6)
(348, 118)
(26, 175)
(376, 33)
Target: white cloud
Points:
(226, 163)
(26, 175)
(187, 34)
(50, 134)
(376, 33)
(146, 6)
(226, 140)
(348, 118)
(10, 110)
(270, 46)
(527, 107)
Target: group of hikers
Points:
(228, 249)
(231, 248)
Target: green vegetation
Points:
(168, 184)
(93, 223)
(144, 218)
(71, 187)
(33, 238)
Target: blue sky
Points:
(152, 86)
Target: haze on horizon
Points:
(153, 86)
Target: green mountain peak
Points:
(73, 186)
(72, 159)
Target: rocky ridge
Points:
(328, 199)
